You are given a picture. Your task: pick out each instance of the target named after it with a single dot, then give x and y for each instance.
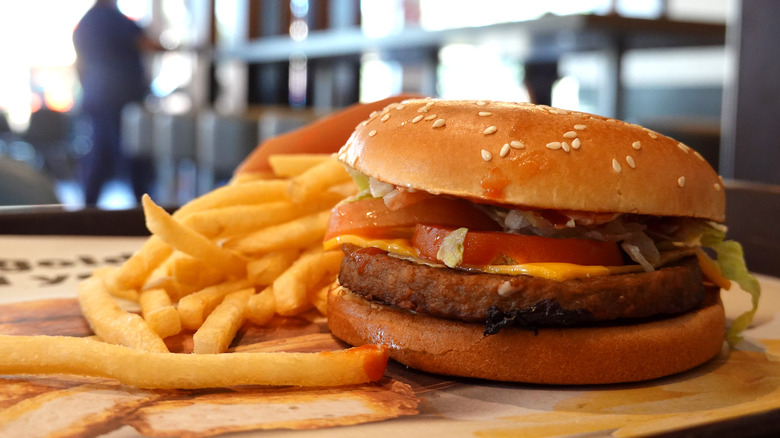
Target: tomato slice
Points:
(372, 218)
(493, 247)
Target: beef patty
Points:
(501, 300)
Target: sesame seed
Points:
(431, 117)
(516, 144)
(400, 106)
(504, 150)
(716, 186)
(554, 145)
(611, 120)
(486, 155)
(373, 114)
(385, 118)
(575, 144)
(490, 130)
(372, 133)
(485, 113)
(439, 123)
(652, 135)
(417, 118)
(565, 146)
(364, 123)
(616, 165)
(698, 155)
(630, 161)
(481, 103)
(636, 145)
(570, 134)
(681, 181)
(426, 108)
(579, 127)
(683, 147)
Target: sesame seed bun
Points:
(585, 355)
(534, 156)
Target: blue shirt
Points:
(109, 59)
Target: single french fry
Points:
(158, 311)
(315, 180)
(195, 307)
(247, 177)
(290, 165)
(268, 267)
(113, 324)
(219, 329)
(341, 191)
(195, 273)
(170, 285)
(108, 275)
(136, 270)
(261, 307)
(256, 192)
(163, 225)
(86, 357)
(242, 219)
(298, 233)
(319, 297)
(239, 220)
(291, 288)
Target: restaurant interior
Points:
(229, 74)
(153, 284)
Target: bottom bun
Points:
(567, 356)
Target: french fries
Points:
(269, 267)
(220, 327)
(315, 180)
(301, 232)
(143, 369)
(199, 272)
(195, 273)
(137, 269)
(159, 313)
(113, 324)
(261, 307)
(196, 307)
(190, 242)
(290, 289)
(286, 166)
(250, 193)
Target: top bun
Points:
(535, 156)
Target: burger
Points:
(517, 242)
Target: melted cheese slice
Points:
(550, 271)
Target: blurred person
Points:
(109, 49)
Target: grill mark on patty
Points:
(455, 294)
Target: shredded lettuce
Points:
(362, 182)
(732, 264)
(731, 260)
(451, 249)
(711, 234)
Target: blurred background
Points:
(225, 74)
